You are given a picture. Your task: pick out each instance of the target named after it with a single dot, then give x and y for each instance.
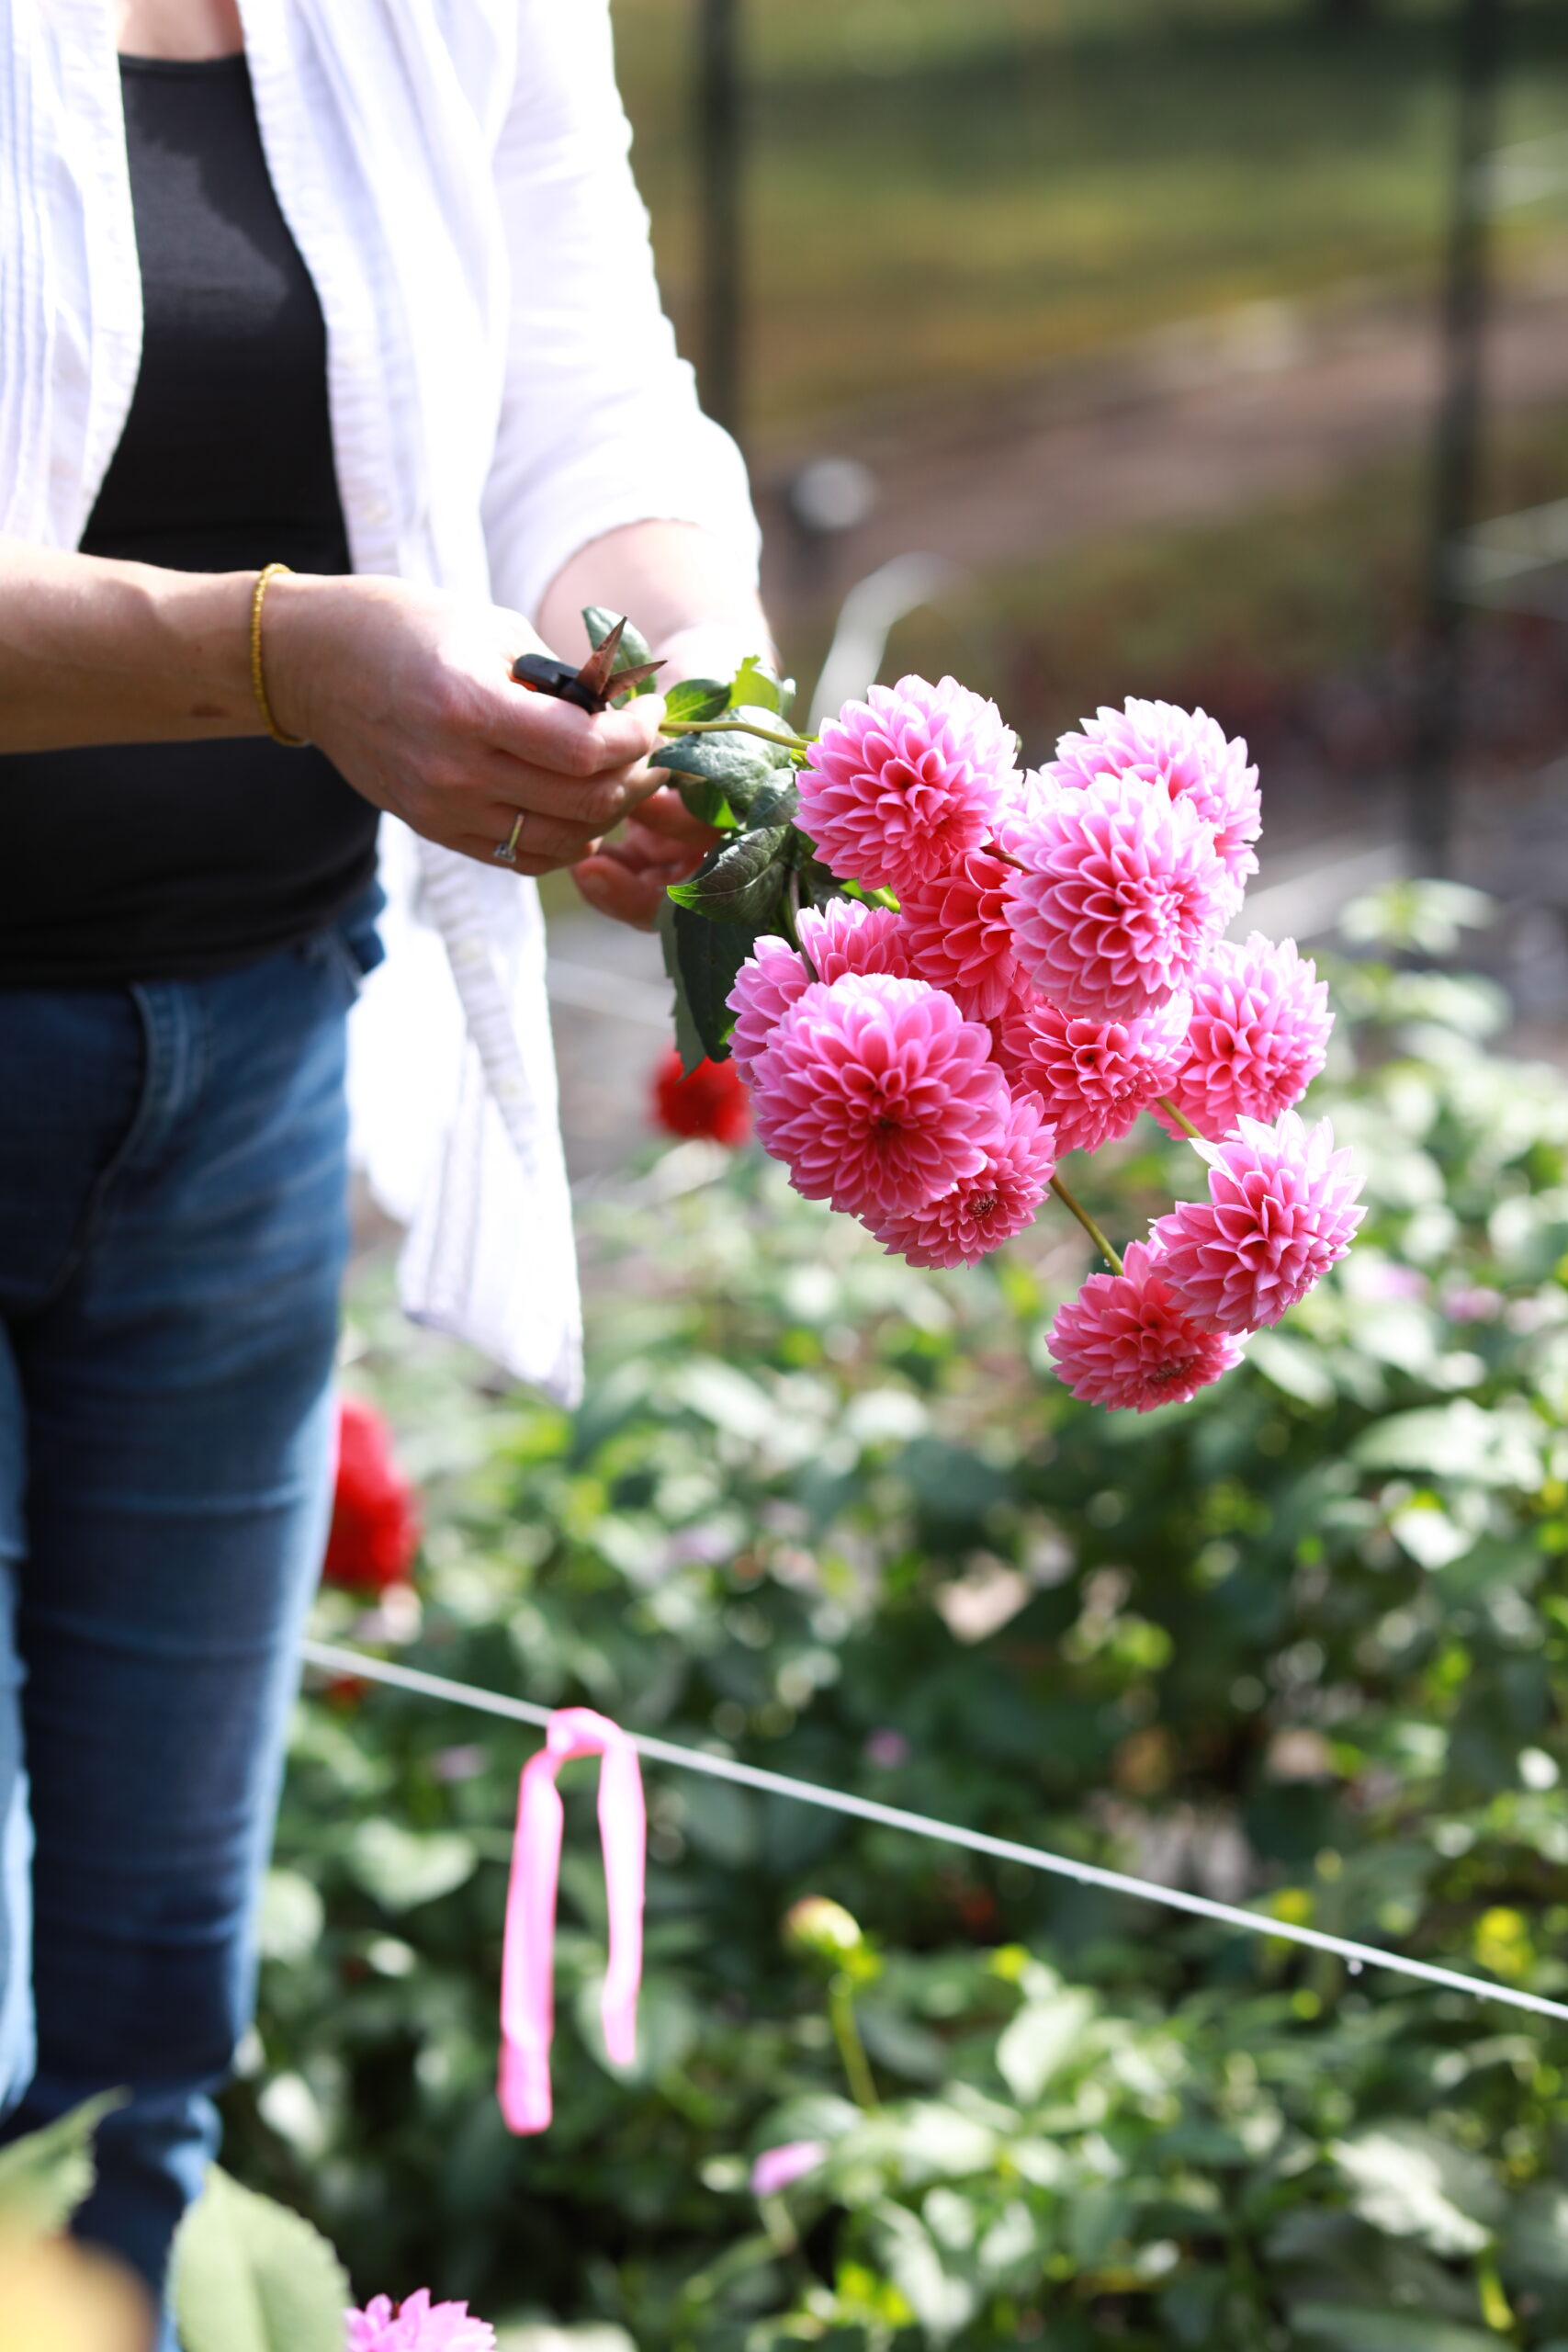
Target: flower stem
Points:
(993, 849)
(790, 913)
(1194, 1134)
(1076, 1208)
(851, 2049)
(734, 727)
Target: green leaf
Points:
(1409, 2184)
(696, 699)
(1496, 1448)
(1040, 2040)
(672, 923)
(633, 649)
(250, 2276)
(46, 2175)
(702, 958)
(403, 1867)
(741, 881)
(776, 804)
(1535, 2235)
(1344, 2327)
(708, 803)
(755, 683)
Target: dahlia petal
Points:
(878, 1094)
(1281, 1209)
(417, 2325)
(986, 1209)
(1259, 1035)
(958, 935)
(844, 937)
(1126, 1341)
(1188, 755)
(1093, 1076)
(1122, 898)
(902, 785)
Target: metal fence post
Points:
(720, 145)
(1437, 734)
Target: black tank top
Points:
(169, 860)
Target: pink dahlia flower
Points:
(777, 2169)
(900, 785)
(987, 1208)
(1126, 1341)
(844, 937)
(1281, 1210)
(957, 934)
(1123, 899)
(878, 1094)
(417, 2325)
(1093, 1076)
(1259, 1035)
(1189, 754)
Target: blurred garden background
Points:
(1127, 314)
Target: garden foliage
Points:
(1293, 1643)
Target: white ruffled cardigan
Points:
(503, 389)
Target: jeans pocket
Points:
(351, 947)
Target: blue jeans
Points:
(172, 1227)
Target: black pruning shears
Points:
(593, 687)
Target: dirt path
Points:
(1197, 421)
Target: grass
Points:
(943, 192)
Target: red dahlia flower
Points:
(376, 1528)
(710, 1102)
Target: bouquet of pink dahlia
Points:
(937, 976)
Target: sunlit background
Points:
(1128, 317)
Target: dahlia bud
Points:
(822, 1929)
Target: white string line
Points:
(337, 1659)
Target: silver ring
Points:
(505, 853)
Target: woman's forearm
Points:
(98, 653)
(687, 592)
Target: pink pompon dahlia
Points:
(844, 937)
(417, 2325)
(1126, 1341)
(1122, 900)
(1189, 754)
(1259, 1035)
(1281, 1210)
(987, 1208)
(900, 785)
(957, 934)
(1093, 1076)
(878, 1094)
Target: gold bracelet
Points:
(258, 682)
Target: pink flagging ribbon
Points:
(527, 1967)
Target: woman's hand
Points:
(409, 694)
(627, 877)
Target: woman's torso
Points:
(169, 860)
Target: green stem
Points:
(734, 727)
(1194, 1134)
(1077, 1209)
(851, 2049)
(789, 913)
